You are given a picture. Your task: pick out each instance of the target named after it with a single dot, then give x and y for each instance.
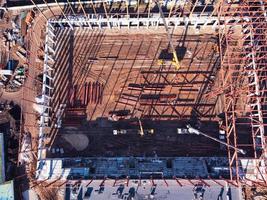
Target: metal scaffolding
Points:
(243, 70)
(47, 87)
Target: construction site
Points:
(138, 99)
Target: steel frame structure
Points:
(154, 20)
(92, 22)
(99, 21)
(185, 10)
(243, 71)
(243, 66)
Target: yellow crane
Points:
(175, 60)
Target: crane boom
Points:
(197, 132)
(175, 58)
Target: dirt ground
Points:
(109, 72)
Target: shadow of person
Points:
(220, 196)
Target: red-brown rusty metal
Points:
(243, 71)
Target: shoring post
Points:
(179, 183)
(115, 181)
(231, 182)
(152, 181)
(165, 181)
(89, 182)
(204, 182)
(215, 181)
(127, 181)
(78, 181)
(190, 181)
(103, 182)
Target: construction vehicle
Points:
(175, 60)
(182, 131)
(119, 132)
(192, 130)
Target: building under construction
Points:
(152, 94)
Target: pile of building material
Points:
(11, 37)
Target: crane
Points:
(175, 58)
(198, 132)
